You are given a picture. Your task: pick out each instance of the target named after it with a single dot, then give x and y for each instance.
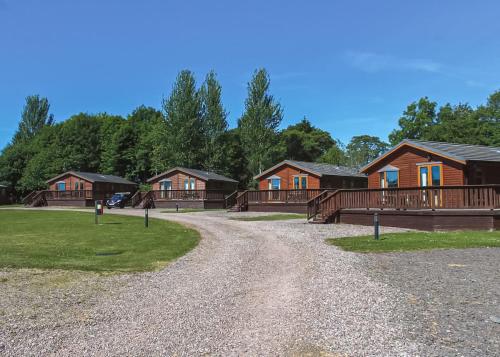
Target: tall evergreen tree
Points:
(214, 124)
(417, 120)
(364, 148)
(184, 130)
(34, 117)
(259, 123)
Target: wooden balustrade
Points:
(189, 195)
(435, 197)
(70, 195)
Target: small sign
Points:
(99, 210)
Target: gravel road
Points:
(249, 288)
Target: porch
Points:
(204, 199)
(78, 198)
(293, 201)
(426, 208)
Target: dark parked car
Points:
(118, 200)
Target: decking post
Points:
(376, 224)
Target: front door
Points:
(430, 176)
(165, 186)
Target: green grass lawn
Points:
(399, 242)
(72, 241)
(272, 217)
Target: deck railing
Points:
(70, 195)
(189, 195)
(434, 197)
(284, 196)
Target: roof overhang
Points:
(286, 162)
(69, 173)
(405, 143)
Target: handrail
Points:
(230, 200)
(313, 204)
(29, 197)
(242, 200)
(189, 195)
(431, 197)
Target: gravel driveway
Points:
(249, 288)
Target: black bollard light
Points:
(176, 207)
(376, 225)
(146, 218)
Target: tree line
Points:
(191, 130)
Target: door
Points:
(274, 186)
(165, 186)
(431, 176)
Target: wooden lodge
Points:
(423, 185)
(289, 185)
(187, 188)
(74, 188)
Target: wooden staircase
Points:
(324, 208)
(143, 200)
(35, 199)
(237, 201)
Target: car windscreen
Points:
(116, 197)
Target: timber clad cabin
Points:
(300, 175)
(74, 188)
(187, 188)
(289, 185)
(424, 185)
(415, 163)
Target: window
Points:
(389, 179)
(61, 186)
(189, 184)
(392, 179)
(274, 184)
(300, 182)
(165, 185)
(430, 175)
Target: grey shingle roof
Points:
(95, 177)
(462, 152)
(458, 152)
(317, 168)
(204, 175)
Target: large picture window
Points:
(274, 184)
(389, 179)
(430, 175)
(300, 182)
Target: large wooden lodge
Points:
(75, 188)
(182, 187)
(424, 185)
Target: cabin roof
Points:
(94, 177)
(201, 174)
(316, 168)
(456, 152)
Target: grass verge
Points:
(272, 217)
(410, 241)
(71, 241)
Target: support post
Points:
(376, 225)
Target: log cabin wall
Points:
(406, 160)
(177, 178)
(286, 173)
(71, 182)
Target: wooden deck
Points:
(83, 198)
(204, 199)
(294, 201)
(429, 208)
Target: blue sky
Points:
(351, 67)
